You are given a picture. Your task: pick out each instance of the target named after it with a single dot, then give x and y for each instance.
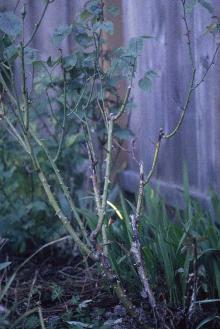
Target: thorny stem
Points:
(37, 25)
(14, 101)
(102, 108)
(136, 246)
(46, 125)
(40, 314)
(92, 155)
(212, 62)
(185, 108)
(193, 86)
(106, 178)
(79, 100)
(13, 84)
(124, 104)
(64, 111)
(101, 201)
(29, 149)
(15, 133)
(23, 75)
(63, 186)
(110, 126)
(41, 175)
(113, 279)
(155, 158)
(138, 262)
(127, 95)
(52, 200)
(51, 108)
(93, 161)
(95, 256)
(25, 142)
(61, 215)
(109, 123)
(5, 87)
(188, 32)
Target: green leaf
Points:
(10, 24)
(4, 265)
(113, 10)
(121, 259)
(106, 26)
(70, 140)
(146, 82)
(69, 62)
(84, 303)
(60, 34)
(79, 324)
(89, 60)
(122, 63)
(212, 28)
(42, 78)
(206, 5)
(51, 62)
(111, 323)
(57, 292)
(75, 300)
(11, 52)
(118, 66)
(83, 39)
(37, 206)
(207, 320)
(207, 301)
(123, 133)
(85, 14)
(31, 55)
(190, 6)
(32, 322)
(94, 7)
(135, 46)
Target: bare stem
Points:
(188, 34)
(61, 215)
(41, 318)
(37, 25)
(136, 246)
(64, 111)
(212, 62)
(106, 178)
(93, 160)
(114, 281)
(124, 104)
(23, 76)
(63, 186)
(185, 108)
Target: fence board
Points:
(197, 143)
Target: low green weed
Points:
(168, 238)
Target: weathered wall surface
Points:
(198, 142)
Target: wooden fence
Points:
(197, 144)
